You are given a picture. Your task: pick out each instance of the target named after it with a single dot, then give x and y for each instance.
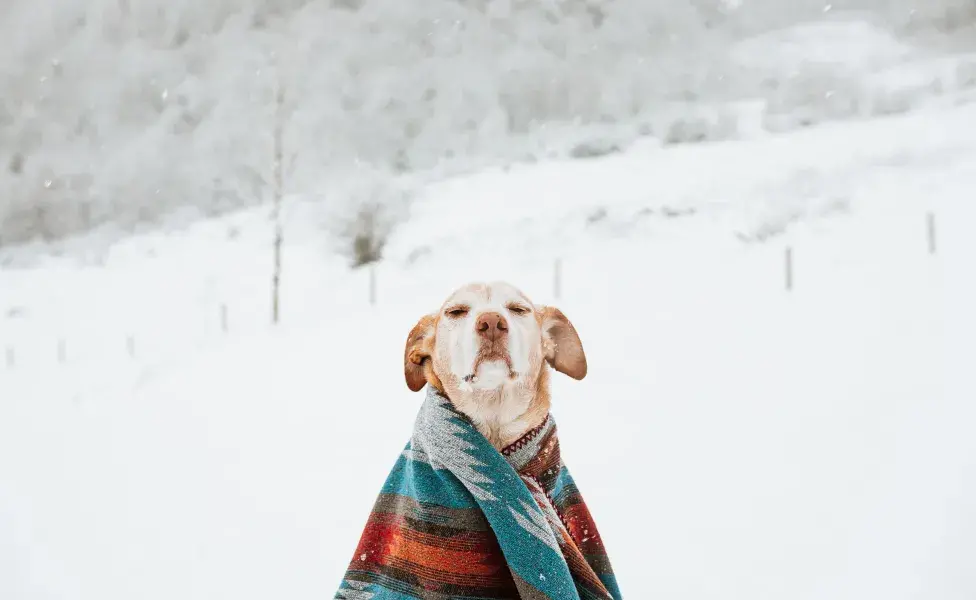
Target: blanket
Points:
(458, 519)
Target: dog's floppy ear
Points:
(417, 351)
(562, 346)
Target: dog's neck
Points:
(505, 414)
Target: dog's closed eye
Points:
(456, 312)
(519, 309)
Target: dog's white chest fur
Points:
(495, 404)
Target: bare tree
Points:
(279, 125)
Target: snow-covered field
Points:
(733, 439)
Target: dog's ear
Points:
(561, 344)
(418, 350)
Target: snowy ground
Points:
(733, 439)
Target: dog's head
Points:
(490, 336)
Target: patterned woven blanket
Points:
(458, 519)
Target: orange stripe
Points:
(450, 561)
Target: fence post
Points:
(557, 279)
(11, 360)
(789, 268)
(130, 345)
(372, 284)
(62, 351)
(931, 232)
(223, 317)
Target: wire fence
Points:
(59, 350)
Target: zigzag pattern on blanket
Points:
(457, 519)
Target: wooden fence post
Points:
(789, 268)
(372, 284)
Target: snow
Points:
(119, 113)
(733, 439)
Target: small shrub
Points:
(368, 234)
(364, 205)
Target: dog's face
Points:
(487, 336)
(490, 336)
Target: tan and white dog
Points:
(486, 351)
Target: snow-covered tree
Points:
(124, 111)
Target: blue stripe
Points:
(384, 588)
(423, 483)
(610, 582)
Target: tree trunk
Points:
(276, 209)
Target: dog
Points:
(486, 350)
(479, 504)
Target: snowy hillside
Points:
(130, 113)
(733, 439)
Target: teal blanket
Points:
(456, 518)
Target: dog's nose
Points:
(491, 325)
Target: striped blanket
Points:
(458, 519)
